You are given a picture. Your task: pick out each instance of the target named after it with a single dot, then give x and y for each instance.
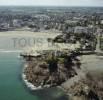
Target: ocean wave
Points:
(10, 51)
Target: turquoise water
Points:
(11, 84)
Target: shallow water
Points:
(11, 86)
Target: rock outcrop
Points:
(53, 71)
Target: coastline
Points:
(65, 86)
(28, 84)
(80, 75)
(80, 79)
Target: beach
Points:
(19, 40)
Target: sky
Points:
(53, 2)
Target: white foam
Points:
(10, 51)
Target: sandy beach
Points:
(92, 63)
(20, 40)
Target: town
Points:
(75, 23)
(72, 38)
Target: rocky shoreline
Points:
(79, 87)
(27, 83)
(51, 69)
(60, 68)
(37, 75)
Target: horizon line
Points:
(48, 6)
